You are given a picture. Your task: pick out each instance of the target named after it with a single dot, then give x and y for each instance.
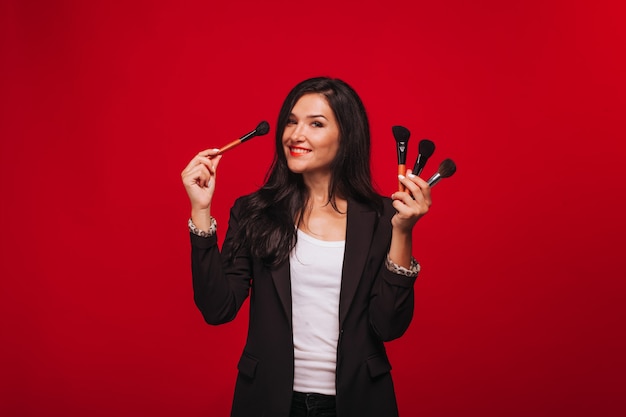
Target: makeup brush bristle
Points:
(426, 148)
(447, 168)
(400, 133)
(262, 128)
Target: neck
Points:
(318, 187)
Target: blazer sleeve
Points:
(392, 297)
(220, 287)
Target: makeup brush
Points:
(261, 129)
(426, 149)
(446, 169)
(401, 135)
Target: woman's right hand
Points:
(199, 180)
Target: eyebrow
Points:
(312, 116)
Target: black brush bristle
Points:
(262, 128)
(426, 148)
(400, 133)
(447, 168)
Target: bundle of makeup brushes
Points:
(426, 148)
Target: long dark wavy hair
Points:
(269, 214)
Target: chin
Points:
(295, 168)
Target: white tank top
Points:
(315, 285)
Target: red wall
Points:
(520, 302)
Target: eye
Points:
(317, 124)
(292, 121)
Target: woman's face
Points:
(311, 136)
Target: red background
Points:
(520, 305)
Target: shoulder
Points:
(244, 201)
(241, 206)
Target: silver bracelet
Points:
(410, 272)
(194, 229)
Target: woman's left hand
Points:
(412, 203)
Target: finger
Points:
(202, 157)
(197, 160)
(424, 188)
(204, 161)
(405, 216)
(211, 162)
(402, 196)
(198, 175)
(419, 181)
(412, 189)
(401, 207)
(215, 162)
(209, 152)
(416, 200)
(409, 211)
(418, 188)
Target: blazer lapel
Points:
(282, 281)
(360, 229)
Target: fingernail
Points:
(400, 176)
(411, 176)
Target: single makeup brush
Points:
(401, 134)
(261, 129)
(426, 149)
(447, 168)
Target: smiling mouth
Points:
(298, 151)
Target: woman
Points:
(326, 261)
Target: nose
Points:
(297, 132)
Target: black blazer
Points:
(375, 306)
